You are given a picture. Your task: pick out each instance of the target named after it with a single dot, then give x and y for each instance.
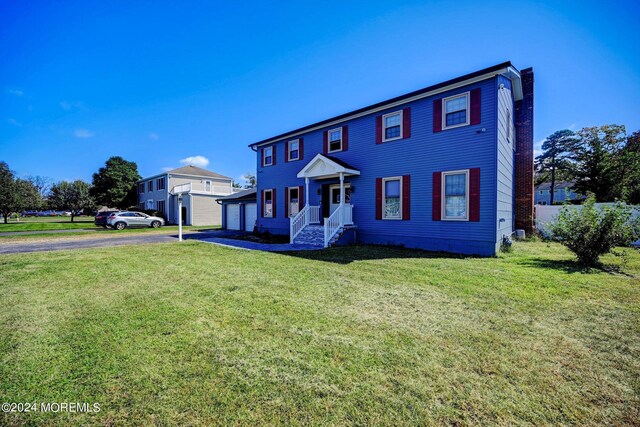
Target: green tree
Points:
(114, 185)
(631, 169)
(250, 179)
(16, 194)
(598, 168)
(74, 196)
(555, 161)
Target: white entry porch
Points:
(341, 211)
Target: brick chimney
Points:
(524, 155)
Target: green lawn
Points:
(196, 334)
(47, 223)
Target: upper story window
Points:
(267, 156)
(391, 198)
(161, 183)
(268, 203)
(141, 187)
(335, 140)
(150, 186)
(456, 111)
(293, 151)
(207, 186)
(455, 189)
(392, 126)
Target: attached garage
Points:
(239, 210)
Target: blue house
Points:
(445, 168)
(562, 192)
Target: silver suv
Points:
(122, 220)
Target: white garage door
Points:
(251, 214)
(233, 217)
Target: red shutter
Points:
(474, 194)
(273, 156)
(286, 202)
(301, 148)
(345, 137)
(406, 122)
(406, 197)
(475, 106)
(325, 144)
(378, 198)
(273, 201)
(436, 210)
(379, 130)
(262, 204)
(286, 152)
(300, 198)
(437, 115)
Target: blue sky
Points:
(161, 81)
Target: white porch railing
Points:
(308, 215)
(343, 215)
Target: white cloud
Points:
(199, 161)
(14, 122)
(68, 105)
(153, 136)
(16, 92)
(83, 133)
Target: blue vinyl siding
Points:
(420, 155)
(505, 161)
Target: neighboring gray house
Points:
(202, 188)
(563, 192)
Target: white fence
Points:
(547, 214)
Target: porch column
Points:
(341, 199)
(306, 191)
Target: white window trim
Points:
(329, 150)
(264, 156)
(384, 127)
(264, 202)
(289, 158)
(444, 110)
(444, 195)
(289, 199)
(384, 180)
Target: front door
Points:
(334, 199)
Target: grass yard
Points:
(48, 223)
(197, 334)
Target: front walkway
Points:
(221, 238)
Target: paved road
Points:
(81, 242)
(66, 230)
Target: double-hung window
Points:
(268, 203)
(392, 126)
(294, 201)
(456, 111)
(267, 153)
(150, 186)
(141, 188)
(161, 184)
(294, 150)
(391, 198)
(455, 189)
(335, 140)
(207, 186)
(161, 206)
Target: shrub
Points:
(591, 231)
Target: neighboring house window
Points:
(141, 187)
(150, 186)
(294, 201)
(267, 153)
(392, 126)
(294, 150)
(161, 184)
(455, 190)
(150, 204)
(335, 140)
(268, 203)
(456, 111)
(391, 198)
(161, 206)
(207, 186)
